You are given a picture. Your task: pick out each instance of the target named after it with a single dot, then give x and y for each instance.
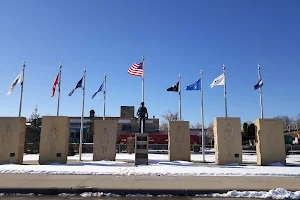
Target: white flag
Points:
(220, 80)
(19, 79)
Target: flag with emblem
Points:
(194, 86)
(259, 84)
(78, 85)
(19, 79)
(220, 80)
(174, 88)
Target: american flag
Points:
(136, 69)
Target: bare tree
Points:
(196, 125)
(287, 121)
(210, 132)
(164, 126)
(168, 116)
(297, 120)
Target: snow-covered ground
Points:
(158, 165)
(278, 193)
(155, 158)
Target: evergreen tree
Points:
(33, 132)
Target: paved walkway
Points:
(177, 185)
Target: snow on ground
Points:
(154, 158)
(278, 193)
(158, 166)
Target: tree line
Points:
(247, 130)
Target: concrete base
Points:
(179, 141)
(270, 146)
(105, 138)
(141, 149)
(54, 142)
(228, 140)
(12, 133)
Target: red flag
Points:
(54, 85)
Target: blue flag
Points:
(99, 90)
(194, 86)
(79, 85)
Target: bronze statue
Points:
(142, 113)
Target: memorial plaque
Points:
(179, 141)
(228, 140)
(12, 133)
(270, 146)
(105, 139)
(54, 141)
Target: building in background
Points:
(127, 124)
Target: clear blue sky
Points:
(176, 37)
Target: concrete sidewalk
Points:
(155, 185)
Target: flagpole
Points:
(143, 91)
(58, 98)
(179, 91)
(104, 96)
(143, 79)
(21, 96)
(225, 92)
(260, 94)
(202, 115)
(82, 116)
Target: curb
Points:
(120, 192)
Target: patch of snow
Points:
(98, 194)
(279, 193)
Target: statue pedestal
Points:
(141, 149)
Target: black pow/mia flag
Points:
(174, 88)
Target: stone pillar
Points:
(141, 149)
(105, 139)
(270, 144)
(228, 140)
(12, 139)
(54, 141)
(179, 141)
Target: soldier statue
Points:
(142, 113)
